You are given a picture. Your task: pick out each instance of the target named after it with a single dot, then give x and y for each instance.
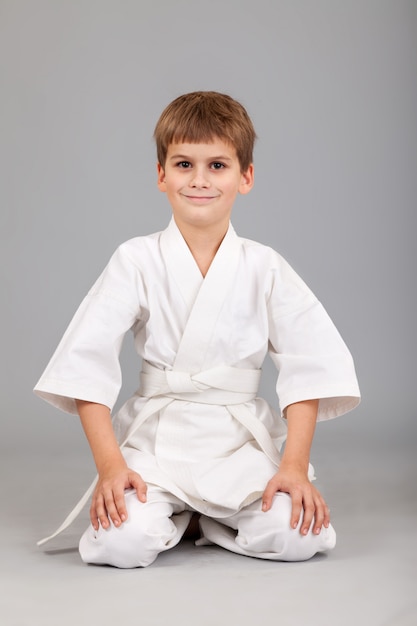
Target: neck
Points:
(203, 243)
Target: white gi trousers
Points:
(158, 525)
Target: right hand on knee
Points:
(108, 501)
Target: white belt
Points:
(227, 386)
(230, 385)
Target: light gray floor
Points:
(368, 580)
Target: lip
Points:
(199, 199)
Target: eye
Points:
(217, 165)
(184, 164)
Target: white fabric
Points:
(251, 532)
(159, 524)
(162, 389)
(151, 528)
(211, 456)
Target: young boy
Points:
(205, 307)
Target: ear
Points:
(161, 177)
(247, 180)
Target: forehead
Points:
(212, 149)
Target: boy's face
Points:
(202, 181)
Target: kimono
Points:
(196, 422)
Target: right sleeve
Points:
(310, 355)
(85, 365)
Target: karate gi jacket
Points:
(196, 422)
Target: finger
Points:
(140, 486)
(296, 508)
(268, 494)
(326, 515)
(309, 510)
(120, 506)
(111, 508)
(319, 515)
(326, 521)
(101, 511)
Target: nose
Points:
(199, 179)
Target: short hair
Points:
(201, 117)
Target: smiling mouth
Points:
(199, 198)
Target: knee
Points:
(273, 537)
(298, 547)
(267, 532)
(292, 544)
(136, 543)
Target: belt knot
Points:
(182, 382)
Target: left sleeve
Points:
(86, 363)
(312, 359)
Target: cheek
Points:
(231, 189)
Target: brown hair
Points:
(201, 117)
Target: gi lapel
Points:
(205, 297)
(180, 263)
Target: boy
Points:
(205, 307)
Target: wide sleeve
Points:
(86, 363)
(312, 359)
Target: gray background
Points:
(332, 89)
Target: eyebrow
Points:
(184, 157)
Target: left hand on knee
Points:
(306, 499)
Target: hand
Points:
(304, 496)
(108, 499)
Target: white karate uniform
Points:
(195, 429)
